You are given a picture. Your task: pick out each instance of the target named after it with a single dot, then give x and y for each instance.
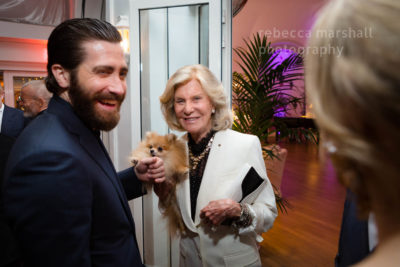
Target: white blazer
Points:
(232, 154)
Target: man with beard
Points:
(64, 200)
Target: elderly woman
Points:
(356, 101)
(228, 201)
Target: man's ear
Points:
(62, 75)
(42, 102)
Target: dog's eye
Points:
(150, 146)
(160, 149)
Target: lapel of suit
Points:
(91, 143)
(215, 158)
(183, 198)
(7, 120)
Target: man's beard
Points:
(31, 112)
(84, 105)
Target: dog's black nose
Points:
(152, 152)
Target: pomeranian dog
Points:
(174, 154)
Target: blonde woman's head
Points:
(356, 95)
(221, 117)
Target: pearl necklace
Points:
(195, 160)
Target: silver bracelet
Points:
(245, 218)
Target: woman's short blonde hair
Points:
(221, 119)
(355, 93)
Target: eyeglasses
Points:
(20, 100)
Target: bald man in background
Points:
(34, 98)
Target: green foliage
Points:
(262, 89)
(300, 134)
(281, 202)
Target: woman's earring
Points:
(213, 111)
(330, 147)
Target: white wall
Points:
(279, 15)
(23, 43)
(21, 57)
(116, 8)
(23, 50)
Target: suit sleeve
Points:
(48, 202)
(133, 187)
(13, 122)
(264, 205)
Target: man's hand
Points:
(150, 170)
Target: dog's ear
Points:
(171, 137)
(149, 135)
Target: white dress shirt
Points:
(372, 232)
(1, 115)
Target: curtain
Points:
(40, 12)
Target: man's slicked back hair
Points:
(64, 46)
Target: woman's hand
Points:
(150, 170)
(219, 210)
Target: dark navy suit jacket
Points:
(353, 240)
(65, 202)
(8, 245)
(13, 121)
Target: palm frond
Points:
(262, 89)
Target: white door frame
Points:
(219, 63)
(214, 51)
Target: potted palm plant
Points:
(262, 90)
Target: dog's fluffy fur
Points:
(174, 154)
